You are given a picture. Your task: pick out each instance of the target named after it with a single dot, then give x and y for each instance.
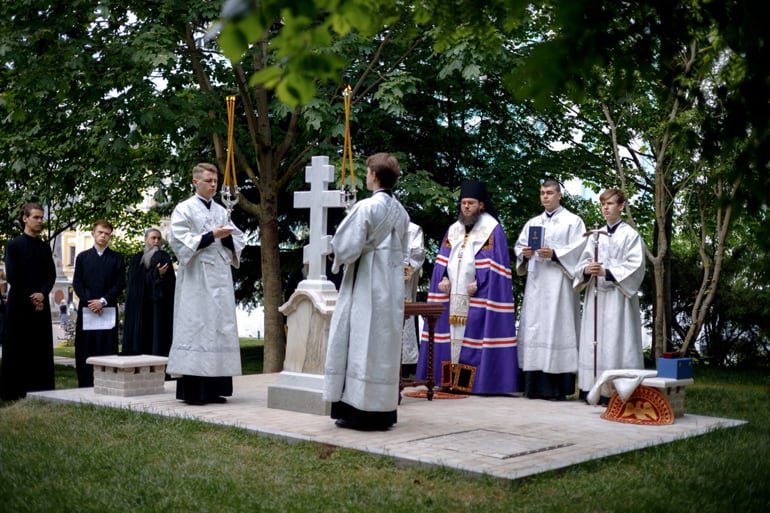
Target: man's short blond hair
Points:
(203, 167)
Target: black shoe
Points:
(342, 423)
(218, 400)
(347, 424)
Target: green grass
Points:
(252, 356)
(65, 351)
(65, 457)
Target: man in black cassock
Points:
(100, 277)
(149, 315)
(28, 348)
(2, 307)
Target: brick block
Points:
(672, 389)
(127, 376)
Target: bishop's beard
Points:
(149, 251)
(470, 220)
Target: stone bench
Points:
(672, 389)
(128, 375)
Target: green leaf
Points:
(233, 42)
(268, 77)
(235, 38)
(295, 89)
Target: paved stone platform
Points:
(501, 436)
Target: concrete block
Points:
(300, 392)
(127, 376)
(672, 389)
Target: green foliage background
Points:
(102, 100)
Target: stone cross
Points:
(318, 200)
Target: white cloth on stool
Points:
(624, 382)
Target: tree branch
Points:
(203, 83)
(723, 229)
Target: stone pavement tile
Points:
(503, 436)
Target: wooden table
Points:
(431, 312)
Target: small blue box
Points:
(675, 368)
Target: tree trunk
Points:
(664, 194)
(275, 338)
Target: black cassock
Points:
(96, 277)
(149, 315)
(28, 345)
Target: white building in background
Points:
(576, 187)
(67, 246)
(251, 324)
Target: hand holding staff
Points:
(595, 269)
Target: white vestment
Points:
(618, 323)
(364, 349)
(415, 259)
(550, 313)
(205, 341)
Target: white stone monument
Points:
(309, 309)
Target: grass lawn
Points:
(252, 355)
(65, 457)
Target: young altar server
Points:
(364, 351)
(612, 318)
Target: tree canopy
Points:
(103, 100)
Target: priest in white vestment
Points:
(615, 324)
(205, 349)
(364, 350)
(550, 314)
(410, 351)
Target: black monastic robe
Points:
(96, 277)
(149, 314)
(28, 347)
